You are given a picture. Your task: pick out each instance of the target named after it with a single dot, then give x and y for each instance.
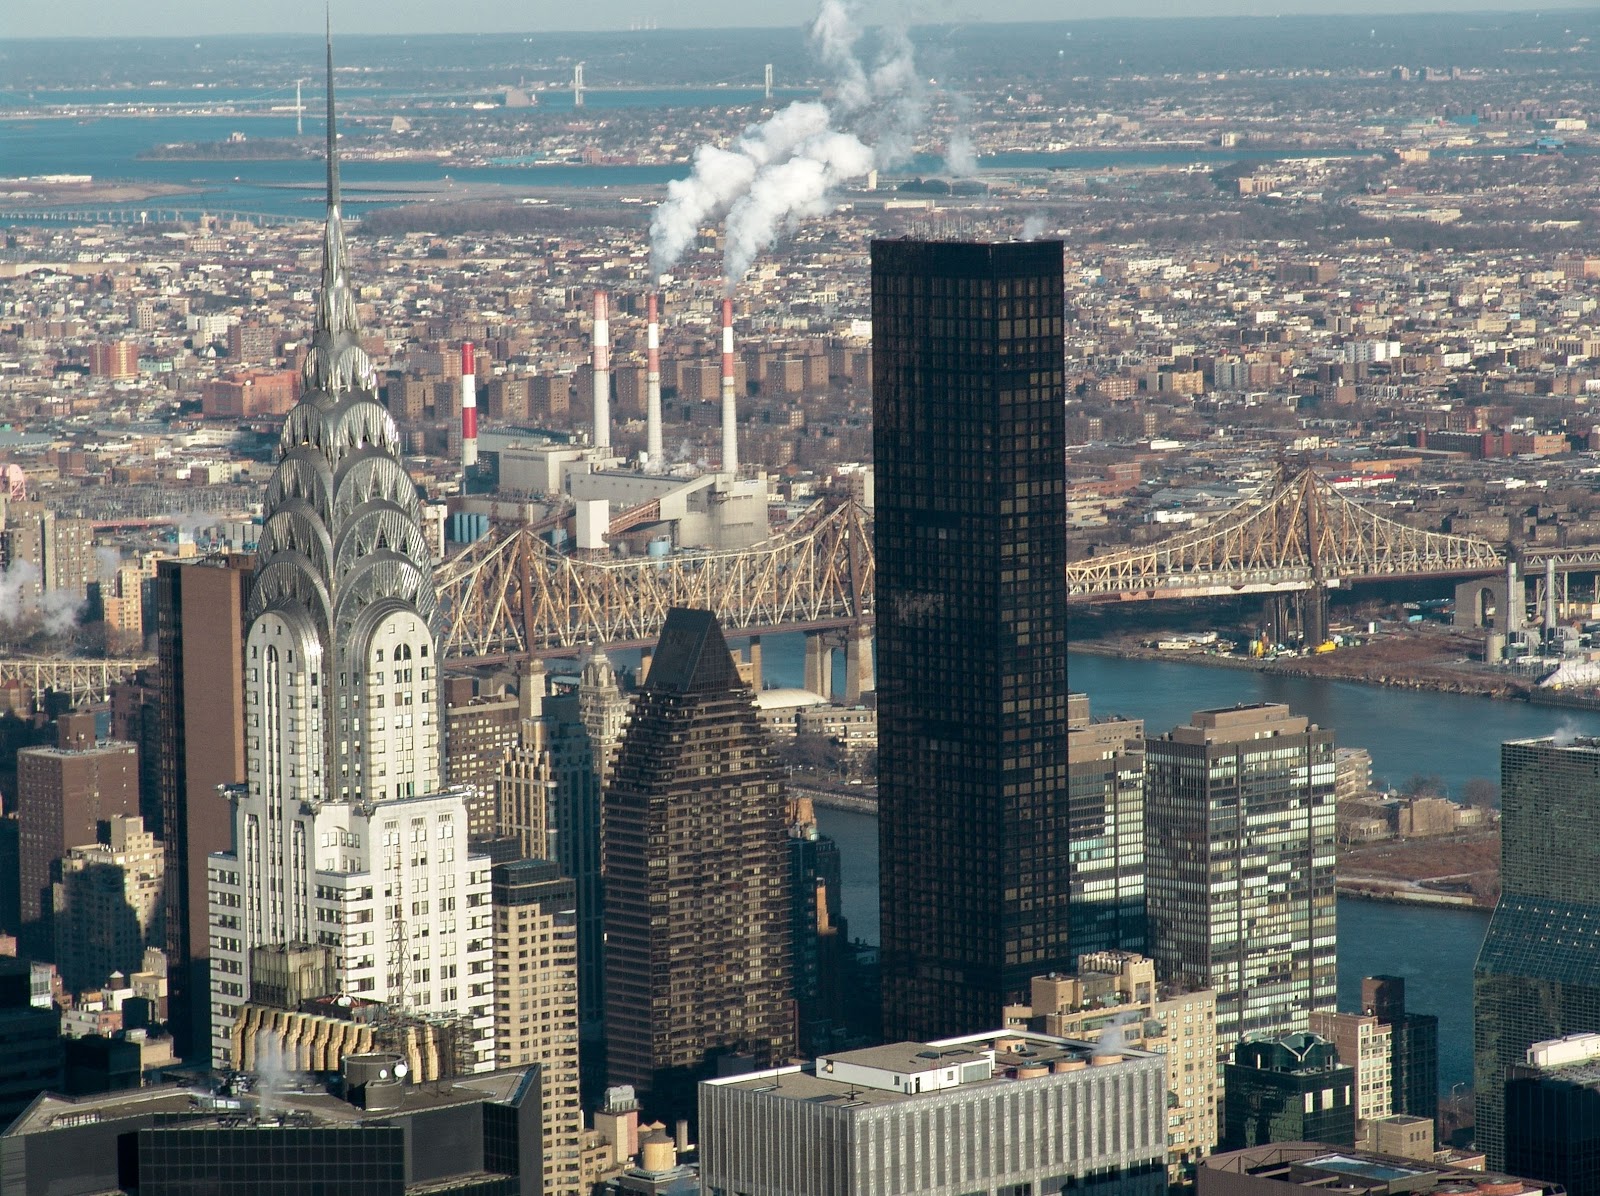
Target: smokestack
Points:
(730, 408)
(602, 373)
(1550, 594)
(652, 384)
(469, 407)
(1516, 598)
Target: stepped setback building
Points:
(697, 963)
(341, 836)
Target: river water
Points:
(1406, 731)
(108, 147)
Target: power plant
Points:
(647, 505)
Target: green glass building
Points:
(1287, 1089)
(1538, 974)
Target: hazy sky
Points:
(198, 17)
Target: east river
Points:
(1406, 731)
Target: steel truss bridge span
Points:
(513, 595)
(1298, 534)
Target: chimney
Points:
(1550, 619)
(730, 409)
(602, 372)
(469, 407)
(654, 456)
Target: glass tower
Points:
(969, 450)
(1105, 788)
(1538, 975)
(1239, 855)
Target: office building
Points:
(1305, 1168)
(548, 805)
(969, 435)
(1366, 1045)
(1105, 803)
(525, 775)
(1239, 855)
(698, 957)
(109, 904)
(536, 1001)
(1538, 973)
(913, 1117)
(481, 729)
(603, 707)
(342, 836)
(63, 793)
(822, 961)
(136, 719)
(381, 1135)
(1414, 1061)
(1114, 999)
(1290, 1088)
(31, 1055)
(200, 625)
(1552, 1104)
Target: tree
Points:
(1482, 793)
(1420, 785)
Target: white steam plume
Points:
(106, 563)
(720, 176)
(25, 601)
(1034, 226)
(784, 169)
(784, 193)
(960, 159)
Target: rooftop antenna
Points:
(333, 131)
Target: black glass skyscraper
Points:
(1538, 975)
(970, 435)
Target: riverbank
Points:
(1434, 661)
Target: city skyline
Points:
(1167, 331)
(101, 18)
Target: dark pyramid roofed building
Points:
(692, 656)
(698, 958)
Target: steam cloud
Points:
(784, 169)
(25, 601)
(1033, 227)
(960, 159)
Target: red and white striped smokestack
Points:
(654, 456)
(469, 407)
(730, 409)
(602, 372)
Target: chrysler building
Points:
(342, 837)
